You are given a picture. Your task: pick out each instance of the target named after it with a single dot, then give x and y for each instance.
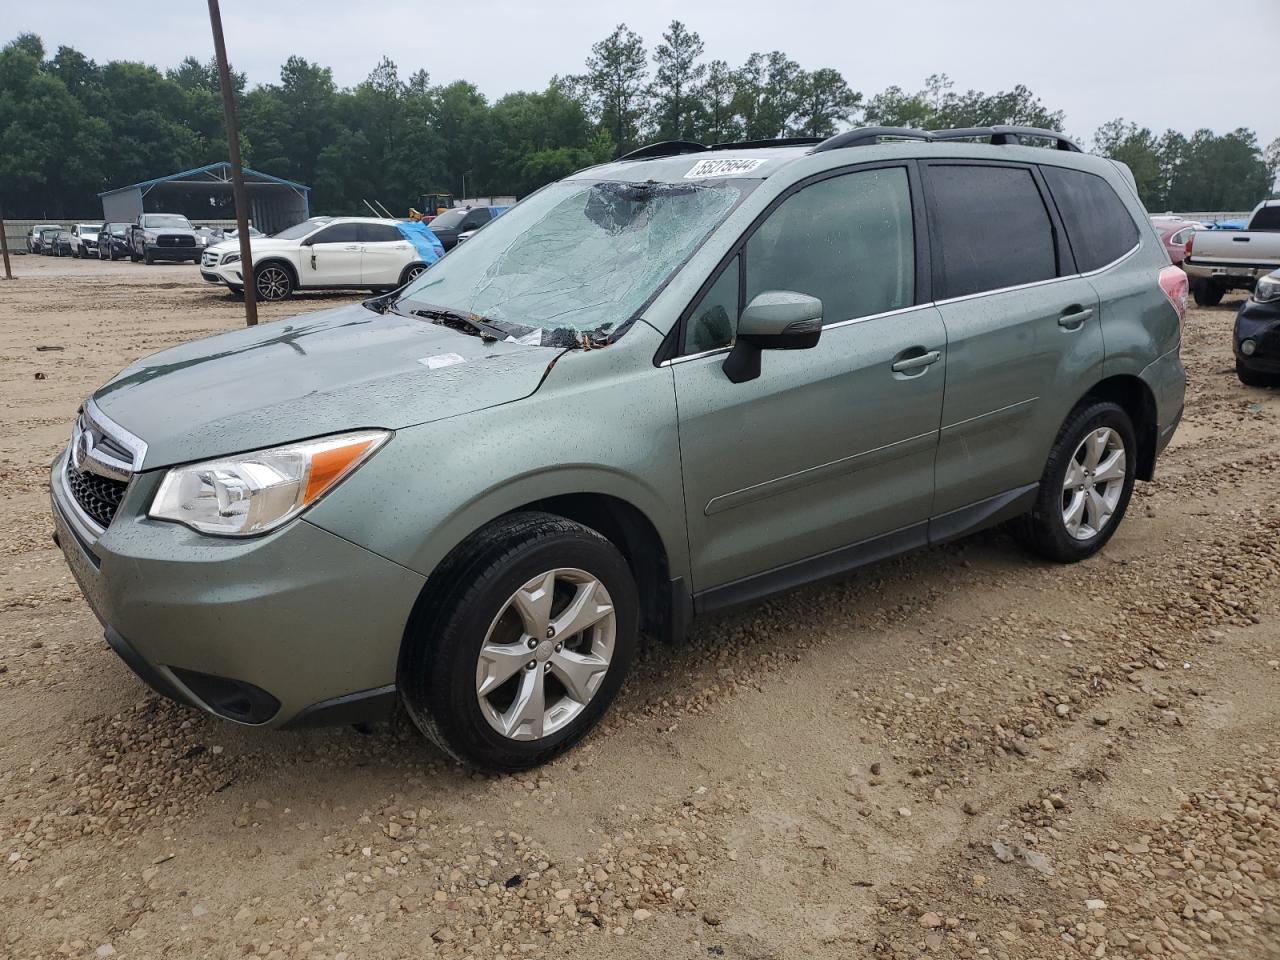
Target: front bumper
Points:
(159, 252)
(295, 627)
(1259, 322)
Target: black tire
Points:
(1208, 293)
(134, 256)
(437, 670)
(1044, 529)
(272, 281)
(411, 273)
(147, 257)
(1252, 378)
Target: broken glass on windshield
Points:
(577, 259)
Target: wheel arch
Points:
(404, 274)
(1132, 394)
(273, 260)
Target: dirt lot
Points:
(962, 753)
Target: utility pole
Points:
(4, 245)
(237, 173)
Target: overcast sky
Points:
(1151, 61)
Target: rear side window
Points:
(991, 229)
(1268, 218)
(379, 233)
(1098, 224)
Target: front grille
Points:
(175, 240)
(209, 259)
(97, 496)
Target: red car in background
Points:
(1174, 233)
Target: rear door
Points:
(832, 446)
(1024, 340)
(386, 252)
(332, 257)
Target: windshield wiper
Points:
(455, 318)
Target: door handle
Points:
(916, 362)
(354, 246)
(1073, 318)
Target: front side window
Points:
(990, 229)
(848, 240)
(1098, 224)
(338, 233)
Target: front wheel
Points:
(1086, 484)
(412, 273)
(272, 282)
(520, 642)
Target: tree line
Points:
(70, 127)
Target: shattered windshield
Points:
(576, 259)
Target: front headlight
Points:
(231, 258)
(1268, 289)
(251, 493)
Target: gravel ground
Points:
(960, 753)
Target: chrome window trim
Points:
(1116, 262)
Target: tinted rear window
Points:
(1098, 224)
(991, 229)
(379, 233)
(1268, 218)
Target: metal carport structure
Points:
(273, 203)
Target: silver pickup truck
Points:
(1222, 260)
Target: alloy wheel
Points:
(273, 283)
(413, 273)
(1094, 483)
(546, 654)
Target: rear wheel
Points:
(520, 642)
(1208, 293)
(272, 282)
(411, 273)
(1086, 484)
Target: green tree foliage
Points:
(1202, 173)
(70, 127)
(677, 104)
(616, 85)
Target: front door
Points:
(832, 446)
(332, 257)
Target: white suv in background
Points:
(326, 253)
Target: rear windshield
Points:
(577, 257)
(1268, 218)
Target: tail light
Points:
(1173, 283)
(1190, 238)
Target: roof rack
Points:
(1000, 135)
(674, 148)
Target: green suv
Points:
(663, 386)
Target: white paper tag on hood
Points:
(723, 168)
(435, 361)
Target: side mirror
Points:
(773, 320)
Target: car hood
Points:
(321, 373)
(256, 245)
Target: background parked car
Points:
(327, 253)
(452, 223)
(113, 241)
(1256, 340)
(62, 246)
(84, 239)
(1174, 234)
(163, 236)
(34, 244)
(1222, 260)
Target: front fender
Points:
(433, 485)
